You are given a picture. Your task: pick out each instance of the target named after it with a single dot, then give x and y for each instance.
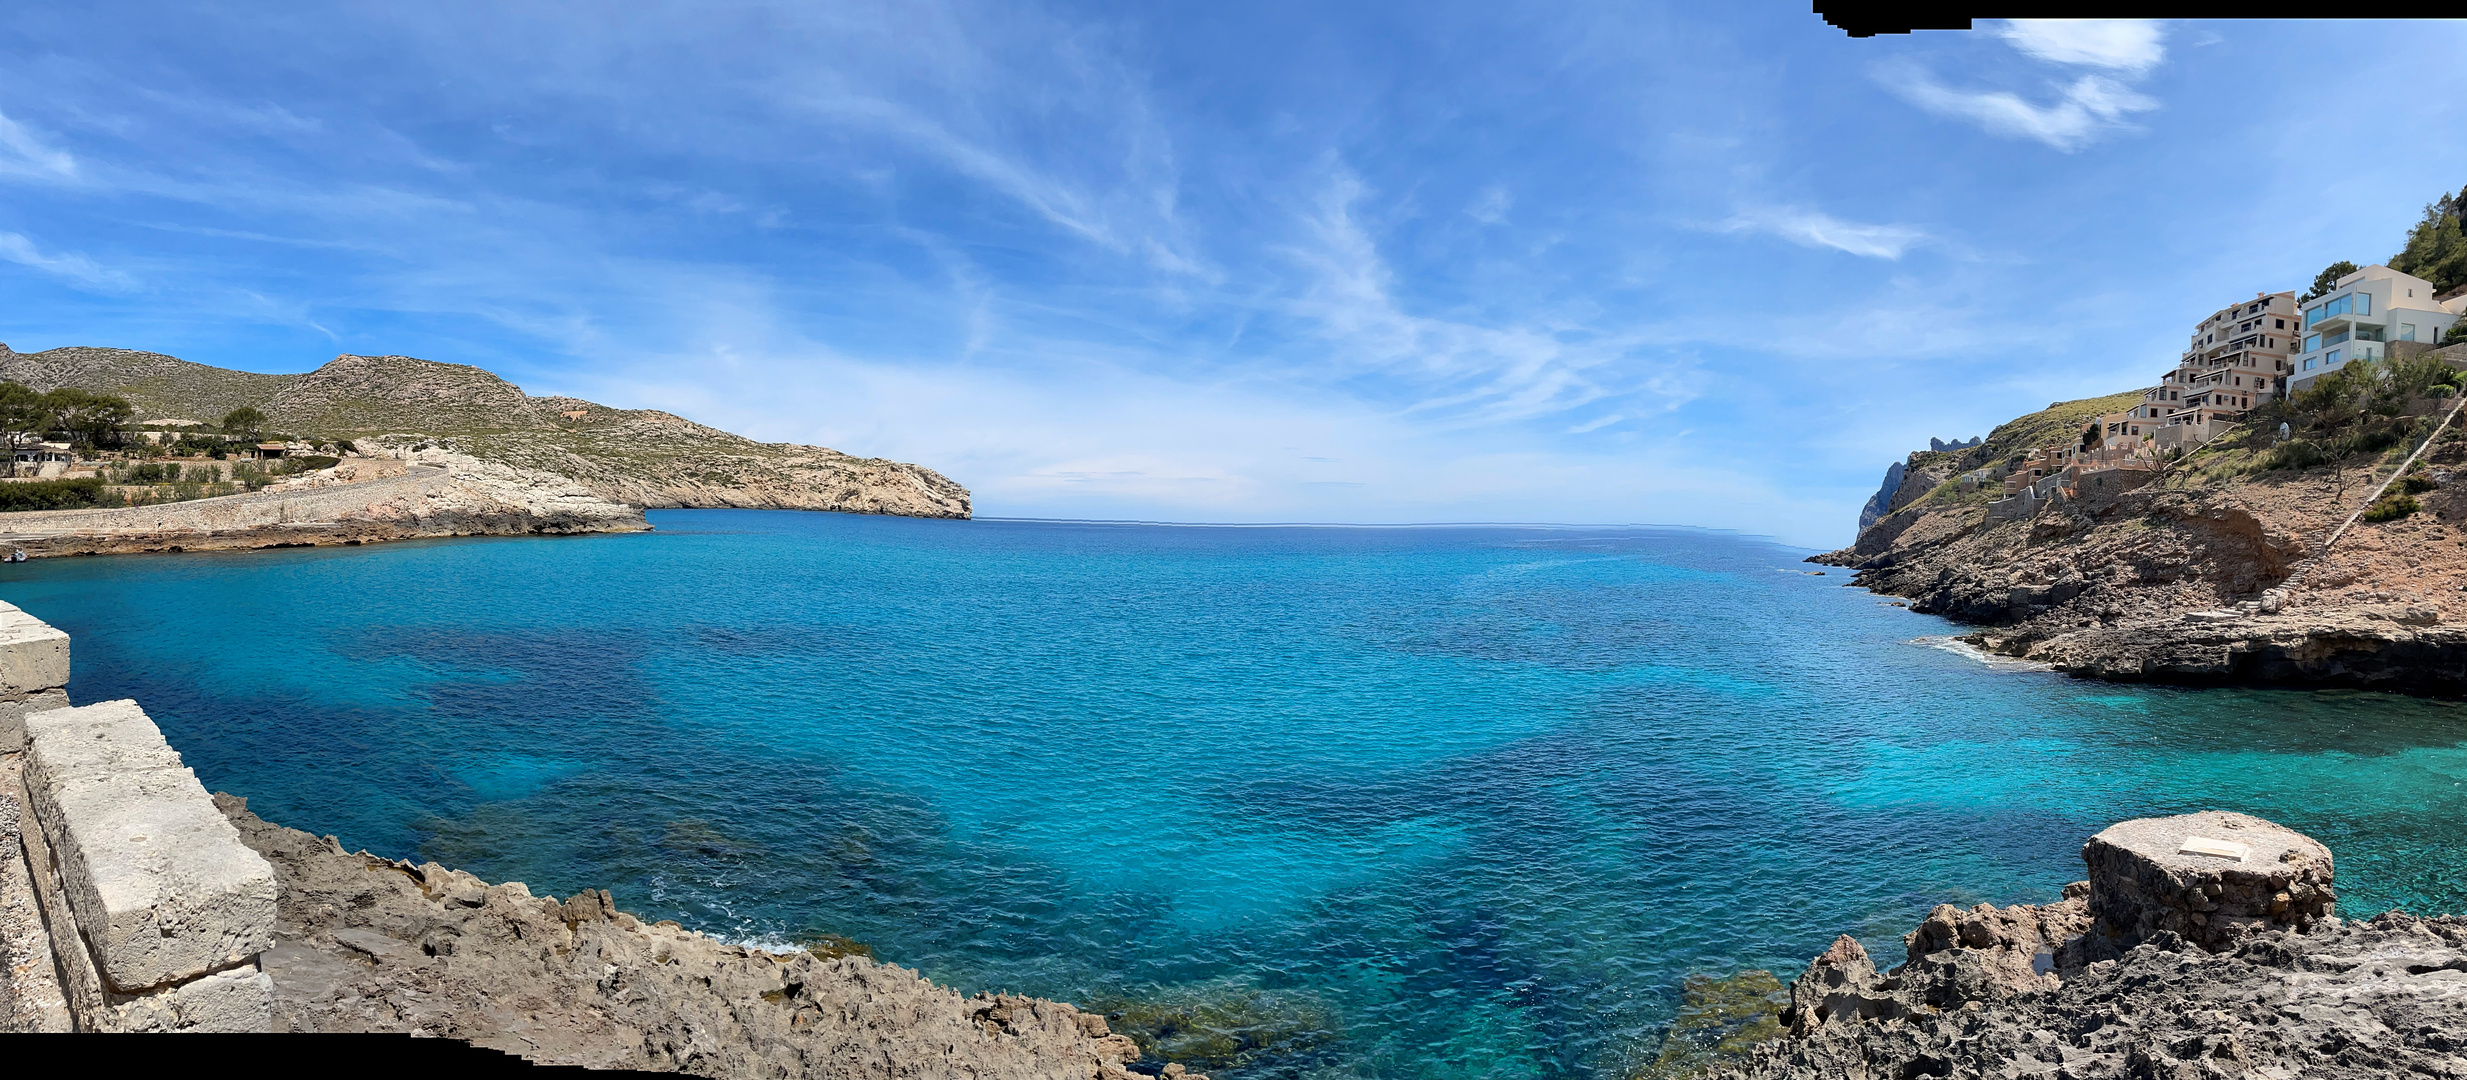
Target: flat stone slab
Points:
(2213, 878)
(34, 655)
(103, 739)
(161, 886)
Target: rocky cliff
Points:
(2218, 569)
(2170, 961)
(644, 458)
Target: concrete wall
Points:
(153, 911)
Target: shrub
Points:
(2416, 483)
(2295, 454)
(50, 495)
(202, 473)
(2391, 507)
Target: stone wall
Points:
(127, 900)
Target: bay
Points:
(1429, 802)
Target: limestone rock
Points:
(2148, 875)
(370, 944)
(163, 889)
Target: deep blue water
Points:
(1471, 801)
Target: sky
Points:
(1713, 265)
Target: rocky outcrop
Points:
(2110, 989)
(364, 943)
(428, 493)
(2398, 647)
(1879, 504)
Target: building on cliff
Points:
(2363, 314)
(2238, 358)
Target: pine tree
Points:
(2436, 251)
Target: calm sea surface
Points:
(1433, 802)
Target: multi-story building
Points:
(2361, 315)
(2239, 357)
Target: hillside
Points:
(2219, 569)
(642, 457)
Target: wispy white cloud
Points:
(2133, 45)
(2079, 112)
(1464, 371)
(2089, 108)
(22, 153)
(1809, 228)
(78, 270)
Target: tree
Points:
(245, 420)
(22, 417)
(2327, 280)
(87, 417)
(2436, 249)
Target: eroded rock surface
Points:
(368, 944)
(2103, 983)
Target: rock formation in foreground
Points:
(368, 944)
(641, 457)
(2204, 945)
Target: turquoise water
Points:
(1449, 801)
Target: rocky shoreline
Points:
(426, 493)
(2169, 961)
(2221, 570)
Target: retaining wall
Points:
(152, 913)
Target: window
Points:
(2308, 365)
(2364, 303)
(2406, 331)
(2282, 324)
(2312, 342)
(2331, 359)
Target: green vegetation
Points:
(2436, 251)
(834, 946)
(1718, 1018)
(2366, 407)
(52, 495)
(1221, 1024)
(75, 415)
(245, 421)
(2391, 507)
(2327, 280)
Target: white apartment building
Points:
(2359, 318)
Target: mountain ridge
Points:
(644, 457)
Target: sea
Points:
(1314, 801)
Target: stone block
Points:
(107, 738)
(33, 655)
(238, 1000)
(13, 715)
(162, 888)
(2213, 878)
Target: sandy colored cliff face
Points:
(367, 944)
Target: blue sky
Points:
(1412, 262)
